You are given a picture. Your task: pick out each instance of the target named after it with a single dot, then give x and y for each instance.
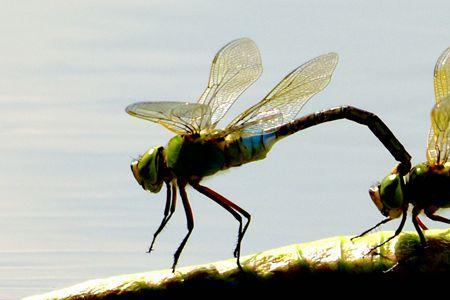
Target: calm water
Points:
(70, 209)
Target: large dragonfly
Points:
(200, 149)
(427, 185)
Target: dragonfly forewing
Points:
(438, 150)
(179, 117)
(235, 67)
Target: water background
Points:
(70, 209)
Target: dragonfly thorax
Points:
(428, 185)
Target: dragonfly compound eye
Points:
(390, 193)
(146, 170)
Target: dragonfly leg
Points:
(372, 121)
(421, 224)
(169, 209)
(232, 209)
(415, 213)
(372, 228)
(430, 214)
(396, 233)
(189, 219)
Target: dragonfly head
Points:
(388, 196)
(148, 169)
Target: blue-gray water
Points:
(70, 209)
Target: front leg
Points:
(169, 209)
(189, 220)
(397, 231)
(372, 228)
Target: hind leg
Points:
(429, 212)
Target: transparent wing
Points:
(266, 122)
(289, 96)
(438, 150)
(235, 67)
(179, 117)
(442, 76)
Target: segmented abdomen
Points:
(239, 150)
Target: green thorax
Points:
(428, 185)
(206, 154)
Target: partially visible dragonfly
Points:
(200, 149)
(427, 185)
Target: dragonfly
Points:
(426, 186)
(200, 149)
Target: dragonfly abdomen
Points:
(239, 150)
